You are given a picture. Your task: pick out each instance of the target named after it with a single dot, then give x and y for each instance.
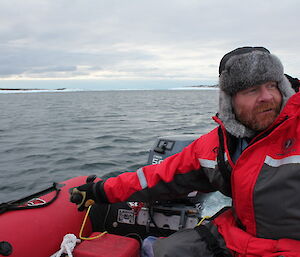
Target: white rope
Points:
(67, 246)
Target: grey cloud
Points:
(36, 60)
(54, 38)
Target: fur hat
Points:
(243, 68)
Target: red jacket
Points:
(265, 185)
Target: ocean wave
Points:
(53, 137)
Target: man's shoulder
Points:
(206, 146)
(210, 138)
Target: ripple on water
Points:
(53, 137)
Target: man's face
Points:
(257, 107)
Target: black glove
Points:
(84, 195)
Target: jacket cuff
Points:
(99, 193)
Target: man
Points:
(253, 156)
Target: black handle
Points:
(19, 204)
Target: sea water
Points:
(54, 136)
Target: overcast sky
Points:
(159, 41)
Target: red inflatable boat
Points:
(35, 227)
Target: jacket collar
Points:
(291, 109)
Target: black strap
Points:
(212, 242)
(16, 205)
(225, 172)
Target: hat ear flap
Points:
(227, 116)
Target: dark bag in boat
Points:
(139, 221)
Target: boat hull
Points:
(39, 232)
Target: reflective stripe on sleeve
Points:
(142, 178)
(207, 163)
(278, 162)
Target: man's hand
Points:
(84, 195)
